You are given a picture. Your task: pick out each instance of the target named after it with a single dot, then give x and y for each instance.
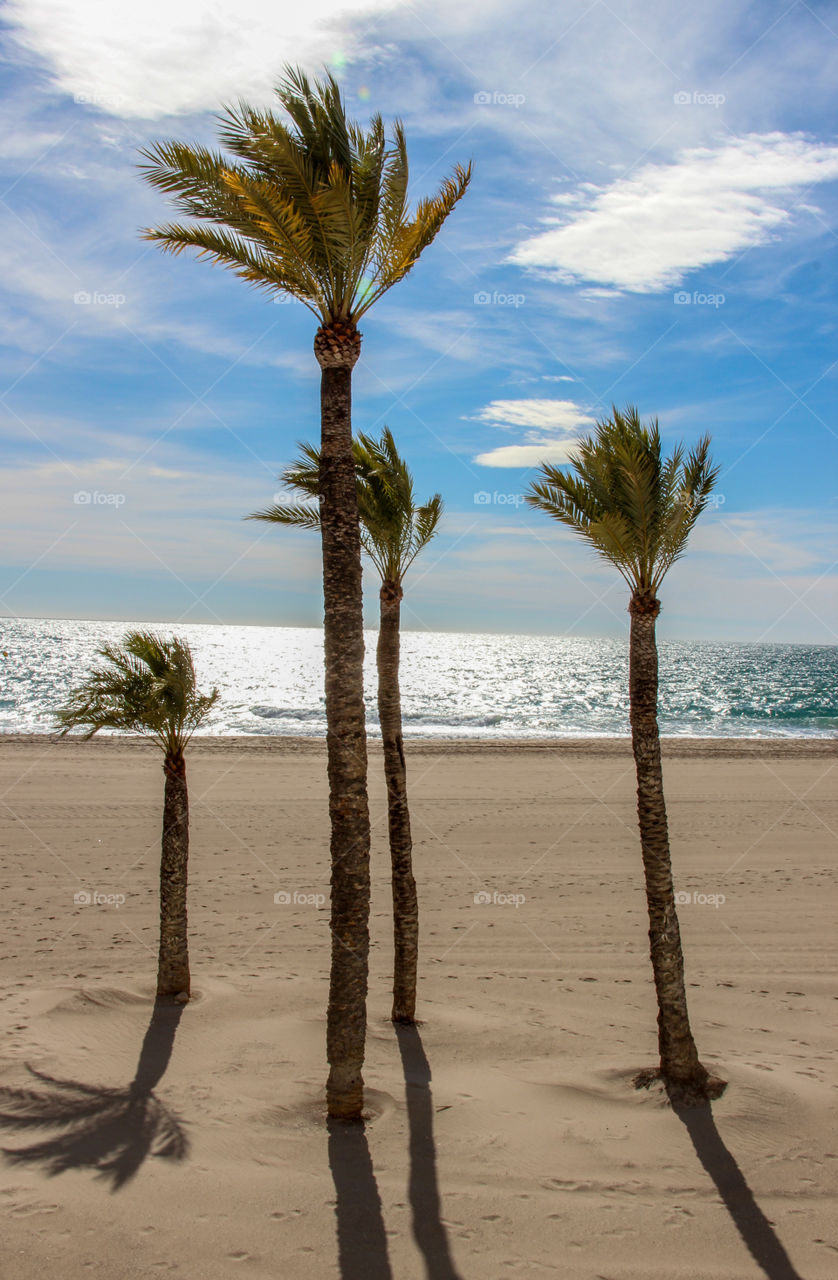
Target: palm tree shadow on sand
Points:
(759, 1236)
(428, 1228)
(362, 1239)
(111, 1131)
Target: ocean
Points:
(453, 685)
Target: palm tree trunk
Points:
(680, 1068)
(337, 348)
(173, 962)
(405, 904)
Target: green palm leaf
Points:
(634, 507)
(316, 208)
(393, 529)
(147, 686)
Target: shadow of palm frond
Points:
(109, 1130)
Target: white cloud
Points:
(644, 233)
(546, 415)
(554, 427)
(152, 60)
(526, 455)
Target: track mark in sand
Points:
(677, 1215)
(33, 1207)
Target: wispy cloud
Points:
(526, 455)
(644, 233)
(546, 415)
(138, 62)
(553, 431)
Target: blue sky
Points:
(652, 220)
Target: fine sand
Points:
(504, 1136)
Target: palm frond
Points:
(393, 529)
(303, 476)
(314, 206)
(299, 517)
(634, 507)
(147, 686)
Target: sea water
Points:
(453, 685)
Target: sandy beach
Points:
(504, 1138)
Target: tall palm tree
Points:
(318, 210)
(149, 687)
(637, 510)
(393, 532)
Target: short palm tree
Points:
(318, 210)
(149, 687)
(637, 509)
(393, 532)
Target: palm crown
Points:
(148, 687)
(393, 529)
(632, 505)
(317, 210)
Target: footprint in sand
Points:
(33, 1207)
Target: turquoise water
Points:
(461, 686)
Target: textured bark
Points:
(405, 904)
(173, 962)
(337, 350)
(680, 1069)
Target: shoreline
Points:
(672, 747)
